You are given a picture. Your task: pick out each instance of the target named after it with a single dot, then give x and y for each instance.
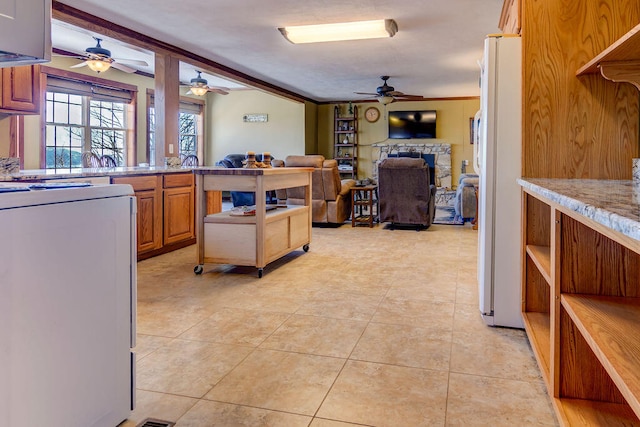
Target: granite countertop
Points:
(614, 204)
(42, 174)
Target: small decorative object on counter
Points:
(250, 162)
(266, 159)
(346, 140)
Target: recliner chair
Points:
(407, 196)
(330, 196)
(466, 199)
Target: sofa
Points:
(243, 198)
(330, 196)
(406, 194)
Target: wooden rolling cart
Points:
(253, 240)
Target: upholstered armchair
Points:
(330, 196)
(465, 203)
(407, 196)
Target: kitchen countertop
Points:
(614, 204)
(42, 174)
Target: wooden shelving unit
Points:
(620, 62)
(581, 309)
(345, 141)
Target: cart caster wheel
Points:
(197, 269)
(259, 273)
(305, 248)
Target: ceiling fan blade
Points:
(131, 61)
(366, 93)
(122, 67)
(82, 64)
(220, 90)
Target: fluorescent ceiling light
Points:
(341, 31)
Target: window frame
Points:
(130, 108)
(196, 104)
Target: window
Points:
(190, 129)
(84, 116)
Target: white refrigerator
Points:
(67, 306)
(498, 162)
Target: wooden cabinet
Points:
(148, 192)
(179, 205)
(583, 127)
(345, 141)
(166, 206)
(581, 309)
(20, 90)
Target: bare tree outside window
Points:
(76, 124)
(187, 133)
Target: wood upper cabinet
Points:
(510, 17)
(20, 90)
(179, 204)
(148, 192)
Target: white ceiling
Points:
(434, 54)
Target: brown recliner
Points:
(330, 196)
(407, 197)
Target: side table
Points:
(363, 200)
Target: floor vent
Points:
(151, 422)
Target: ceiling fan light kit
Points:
(199, 91)
(98, 65)
(358, 30)
(386, 94)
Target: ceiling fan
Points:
(386, 94)
(99, 59)
(199, 86)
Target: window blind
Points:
(94, 90)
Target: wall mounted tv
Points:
(412, 124)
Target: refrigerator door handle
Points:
(476, 141)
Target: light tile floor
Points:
(371, 327)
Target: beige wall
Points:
(452, 128)
(281, 135)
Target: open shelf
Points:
(225, 217)
(620, 62)
(541, 257)
(610, 326)
(538, 327)
(579, 412)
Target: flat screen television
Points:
(412, 124)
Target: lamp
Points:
(384, 100)
(98, 65)
(340, 31)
